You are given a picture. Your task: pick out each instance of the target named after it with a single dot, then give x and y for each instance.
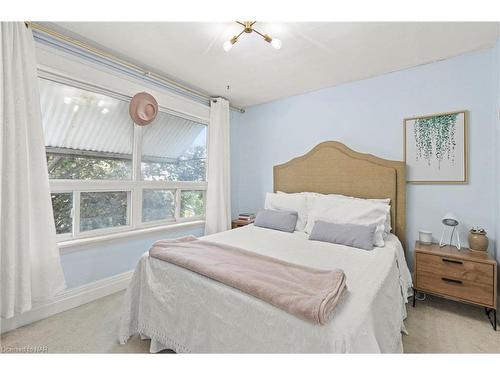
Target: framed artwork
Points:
(436, 148)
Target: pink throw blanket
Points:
(305, 292)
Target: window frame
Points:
(133, 186)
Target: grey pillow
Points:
(360, 236)
(277, 219)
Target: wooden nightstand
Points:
(461, 275)
(240, 223)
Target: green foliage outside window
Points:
(72, 167)
(100, 211)
(192, 203)
(103, 210)
(62, 204)
(158, 204)
(189, 167)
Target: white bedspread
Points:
(187, 312)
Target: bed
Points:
(186, 312)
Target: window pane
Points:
(192, 203)
(158, 204)
(87, 135)
(62, 204)
(66, 166)
(173, 149)
(103, 210)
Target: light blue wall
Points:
(368, 116)
(85, 264)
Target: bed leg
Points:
(492, 319)
(414, 294)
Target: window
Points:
(174, 149)
(103, 210)
(192, 203)
(88, 136)
(158, 204)
(62, 204)
(107, 174)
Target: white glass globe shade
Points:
(227, 45)
(276, 43)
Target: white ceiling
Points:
(314, 55)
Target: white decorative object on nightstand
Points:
(425, 236)
(450, 220)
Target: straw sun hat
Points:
(143, 108)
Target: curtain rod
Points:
(117, 60)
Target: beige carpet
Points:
(437, 325)
(434, 326)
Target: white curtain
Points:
(30, 268)
(218, 204)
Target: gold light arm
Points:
(234, 39)
(246, 24)
(266, 37)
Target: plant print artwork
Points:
(435, 136)
(435, 148)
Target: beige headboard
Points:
(333, 168)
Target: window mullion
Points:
(130, 195)
(76, 214)
(136, 200)
(136, 153)
(177, 204)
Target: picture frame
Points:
(436, 148)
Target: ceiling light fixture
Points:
(248, 28)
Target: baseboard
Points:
(70, 299)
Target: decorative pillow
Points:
(284, 221)
(334, 209)
(289, 202)
(360, 236)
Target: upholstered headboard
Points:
(333, 168)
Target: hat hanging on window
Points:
(143, 108)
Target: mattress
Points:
(186, 312)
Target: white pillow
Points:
(387, 224)
(289, 202)
(335, 209)
(310, 196)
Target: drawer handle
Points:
(451, 280)
(452, 261)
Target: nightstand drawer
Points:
(453, 287)
(457, 269)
